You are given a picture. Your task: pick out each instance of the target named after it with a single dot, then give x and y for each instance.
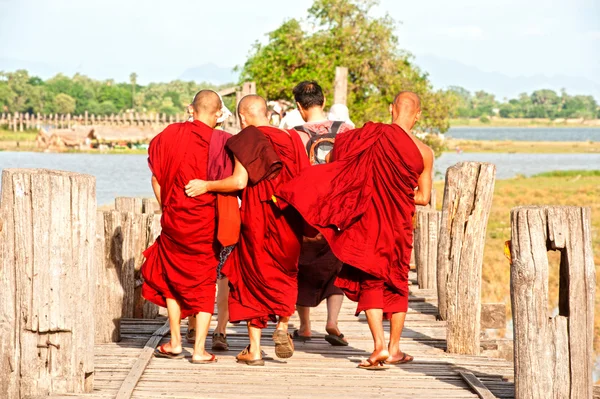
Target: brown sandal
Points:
(213, 359)
(244, 357)
(373, 365)
(284, 344)
(406, 358)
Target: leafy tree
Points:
(343, 33)
(64, 104)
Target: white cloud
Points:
(594, 34)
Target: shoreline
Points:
(496, 122)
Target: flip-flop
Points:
(284, 344)
(336, 340)
(406, 358)
(301, 338)
(373, 366)
(161, 352)
(213, 359)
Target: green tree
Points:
(343, 33)
(64, 104)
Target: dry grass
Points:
(530, 147)
(578, 189)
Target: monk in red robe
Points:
(263, 267)
(181, 266)
(364, 207)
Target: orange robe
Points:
(263, 267)
(182, 263)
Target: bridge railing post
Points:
(553, 355)
(426, 246)
(467, 201)
(47, 226)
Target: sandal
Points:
(336, 340)
(300, 338)
(373, 366)
(284, 344)
(213, 359)
(406, 358)
(244, 357)
(162, 352)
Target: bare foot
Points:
(169, 347)
(376, 358)
(399, 358)
(303, 332)
(332, 329)
(204, 356)
(249, 354)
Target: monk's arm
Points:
(156, 188)
(236, 182)
(423, 191)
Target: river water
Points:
(526, 134)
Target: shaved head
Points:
(406, 109)
(408, 102)
(206, 102)
(252, 105)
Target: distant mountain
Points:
(444, 73)
(210, 73)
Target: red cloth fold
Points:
(364, 202)
(182, 263)
(263, 267)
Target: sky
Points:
(160, 39)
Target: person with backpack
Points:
(318, 267)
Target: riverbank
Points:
(521, 147)
(523, 122)
(576, 188)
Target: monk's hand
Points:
(196, 187)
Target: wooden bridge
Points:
(69, 289)
(317, 369)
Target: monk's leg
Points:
(282, 323)
(222, 306)
(371, 300)
(396, 326)
(375, 321)
(304, 315)
(334, 305)
(202, 326)
(174, 312)
(254, 333)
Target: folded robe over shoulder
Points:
(182, 263)
(364, 202)
(263, 267)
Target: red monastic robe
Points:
(262, 269)
(182, 263)
(364, 203)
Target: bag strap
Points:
(335, 127)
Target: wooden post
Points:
(48, 221)
(128, 204)
(20, 122)
(426, 246)
(467, 201)
(553, 355)
(15, 119)
(85, 118)
(150, 205)
(341, 86)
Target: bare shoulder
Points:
(426, 151)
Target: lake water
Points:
(129, 176)
(525, 134)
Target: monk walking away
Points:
(181, 266)
(318, 267)
(377, 175)
(263, 267)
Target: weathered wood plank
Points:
(553, 355)
(426, 246)
(480, 389)
(138, 368)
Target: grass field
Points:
(578, 188)
(9, 135)
(530, 147)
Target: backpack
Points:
(319, 145)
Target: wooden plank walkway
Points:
(316, 370)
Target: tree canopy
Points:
(540, 104)
(344, 33)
